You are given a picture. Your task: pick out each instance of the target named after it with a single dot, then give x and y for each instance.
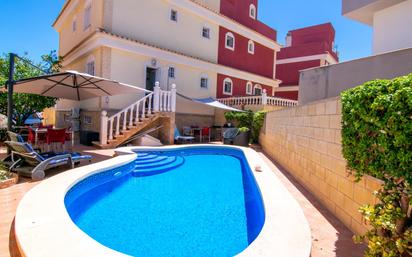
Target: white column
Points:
(173, 98)
(264, 97)
(103, 128)
(156, 95)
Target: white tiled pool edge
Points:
(43, 227)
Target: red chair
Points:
(206, 133)
(56, 136)
(31, 138)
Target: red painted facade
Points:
(261, 62)
(289, 72)
(310, 41)
(238, 10)
(314, 40)
(238, 87)
(292, 95)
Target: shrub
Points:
(248, 119)
(377, 141)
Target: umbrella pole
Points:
(10, 84)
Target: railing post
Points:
(156, 95)
(264, 97)
(173, 98)
(103, 128)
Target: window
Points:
(74, 24)
(252, 11)
(227, 86)
(172, 72)
(90, 65)
(87, 19)
(251, 47)
(230, 41)
(249, 88)
(204, 82)
(206, 32)
(258, 90)
(173, 15)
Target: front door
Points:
(150, 78)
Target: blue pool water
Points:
(191, 202)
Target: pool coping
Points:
(38, 227)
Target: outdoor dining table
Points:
(38, 131)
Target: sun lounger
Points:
(180, 138)
(23, 153)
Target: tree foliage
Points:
(27, 104)
(377, 141)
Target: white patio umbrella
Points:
(73, 85)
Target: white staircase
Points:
(120, 126)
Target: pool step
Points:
(146, 157)
(161, 161)
(167, 165)
(149, 161)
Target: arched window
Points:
(249, 88)
(252, 11)
(90, 65)
(257, 90)
(251, 47)
(230, 41)
(227, 86)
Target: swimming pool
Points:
(210, 209)
(193, 202)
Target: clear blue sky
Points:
(25, 25)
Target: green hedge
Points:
(377, 128)
(377, 141)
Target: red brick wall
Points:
(261, 62)
(238, 87)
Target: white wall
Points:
(392, 28)
(131, 68)
(149, 22)
(212, 4)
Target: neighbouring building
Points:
(392, 50)
(208, 48)
(305, 48)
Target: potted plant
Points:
(7, 178)
(243, 138)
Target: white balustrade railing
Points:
(258, 100)
(156, 101)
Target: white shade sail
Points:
(210, 101)
(73, 85)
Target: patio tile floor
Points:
(330, 238)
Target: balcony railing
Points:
(258, 100)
